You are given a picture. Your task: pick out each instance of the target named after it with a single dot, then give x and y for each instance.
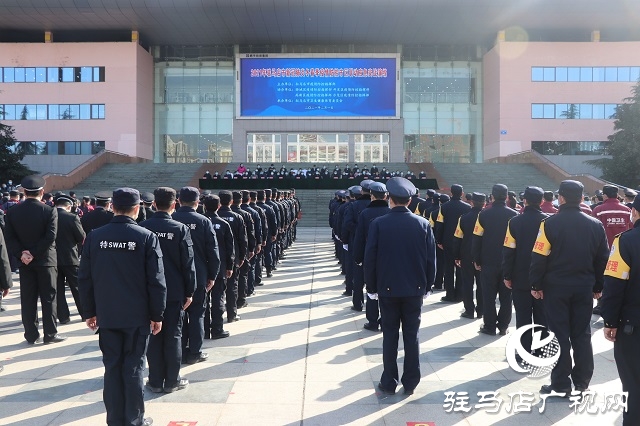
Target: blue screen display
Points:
(318, 87)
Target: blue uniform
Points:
(400, 266)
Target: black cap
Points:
(365, 184)
(355, 190)
(533, 194)
(456, 190)
(636, 204)
(571, 190)
(62, 197)
(444, 198)
(103, 196)
(147, 197)
(225, 196)
(548, 195)
(431, 193)
(400, 187)
(500, 191)
(189, 194)
(378, 187)
(610, 191)
(630, 193)
(32, 183)
(126, 197)
(479, 197)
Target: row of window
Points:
(571, 147)
(52, 111)
(51, 74)
(574, 111)
(624, 74)
(59, 147)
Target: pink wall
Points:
(126, 93)
(508, 107)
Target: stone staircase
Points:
(481, 177)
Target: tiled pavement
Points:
(299, 356)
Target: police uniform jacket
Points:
(177, 255)
(350, 218)
(463, 237)
(276, 212)
(142, 215)
(205, 245)
(226, 243)
(571, 250)
(257, 222)
(374, 210)
(414, 203)
(5, 267)
(447, 221)
(272, 226)
(95, 219)
(236, 223)
(388, 270)
(70, 235)
(121, 276)
(489, 233)
(339, 219)
(32, 225)
(263, 221)
(333, 209)
(247, 221)
(621, 295)
(522, 232)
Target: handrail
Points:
(81, 165)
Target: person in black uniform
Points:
(400, 267)
(5, 270)
(432, 217)
(100, 215)
(239, 230)
(415, 201)
(260, 241)
(207, 261)
(70, 236)
(629, 197)
(567, 273)
(31, 228)
(165, 348)
(486, 246)
(462, 243)
(147, 202)
(378, 207)
(349, 226)
(213, 323)
(242, 274)
(268, 200)
(344, 233)
(123, 291)
(621, 314)
(271, 233)
(265, 238)
(522, 232)
(446, 225)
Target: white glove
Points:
(372, 296)
(346, 247)
(427, 294)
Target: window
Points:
(8, 75)
(561, 74)
(41, 112)
(41, 75)
(68, 75)
(19, 75)
(548, 111)
(586, 74)
(611, 74)
(54, 112)
(573, 111)
(9, 112)
(53, 75)
(586, 111)
(598, 74)
(549, 74)
(30, 75)
(610, 111)
(85, 112)
(562, 111)
(634, 74)
(86, 74)
(624, 74)
(537, 74)
(598, 111)
(574, 74)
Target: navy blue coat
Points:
(376, 209)
(351, 215)
(400, 255)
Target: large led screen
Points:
(318, 87)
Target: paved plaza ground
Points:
(299, 356)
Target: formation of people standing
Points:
(153, 275)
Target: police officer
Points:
(629, 197)
(260, 241)
(432, 216)
(567, 266)
(621, 313)
(350, 224)
(147, 202)
(31, 230)
(416, 199)
(379, 206)
(279, 223)
(445, 227)
(271, 230)
(241, 276)
(489, 233)
(101, 215)
(346, 265)
(165, 348)
(522, 232)
(399, 265)
(463, 238)
(213, 322)
(259, 258)
(123, 291)
(207, 261)
(5, 270)
(70, 236)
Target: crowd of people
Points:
(152, 273)
(314, 172)
(546, 254)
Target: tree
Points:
(623, 167)
(10, 157)
(571, 113)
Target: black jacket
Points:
(70, 236)
(236, 222)
(463, 237)
(272, 225)
(374, 210)
(522, 232)
(447, 221)
(350, 217)
(177, 255)
(263, 221)
(489, 233)
(571, 250)
(226, 243)
(257, 222)
(5, 266)
(32, 225)
(121, 276)
(95, 219)
(247, 221)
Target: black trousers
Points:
(396, 312)
(213, 321)
(469, 275)
(527, 308)
(193, 326)
(372, 311)
(232, 293)
(358, 286)
(625, 351)
(38, 282)
(123, 352)
(267, 255)
(452, 276)
(243, 275)
(568, 312)
(438, 283)
(67, 274)
(251, 276)
(165, 349)
(348, 266)
(492, 287)
(257, 269)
